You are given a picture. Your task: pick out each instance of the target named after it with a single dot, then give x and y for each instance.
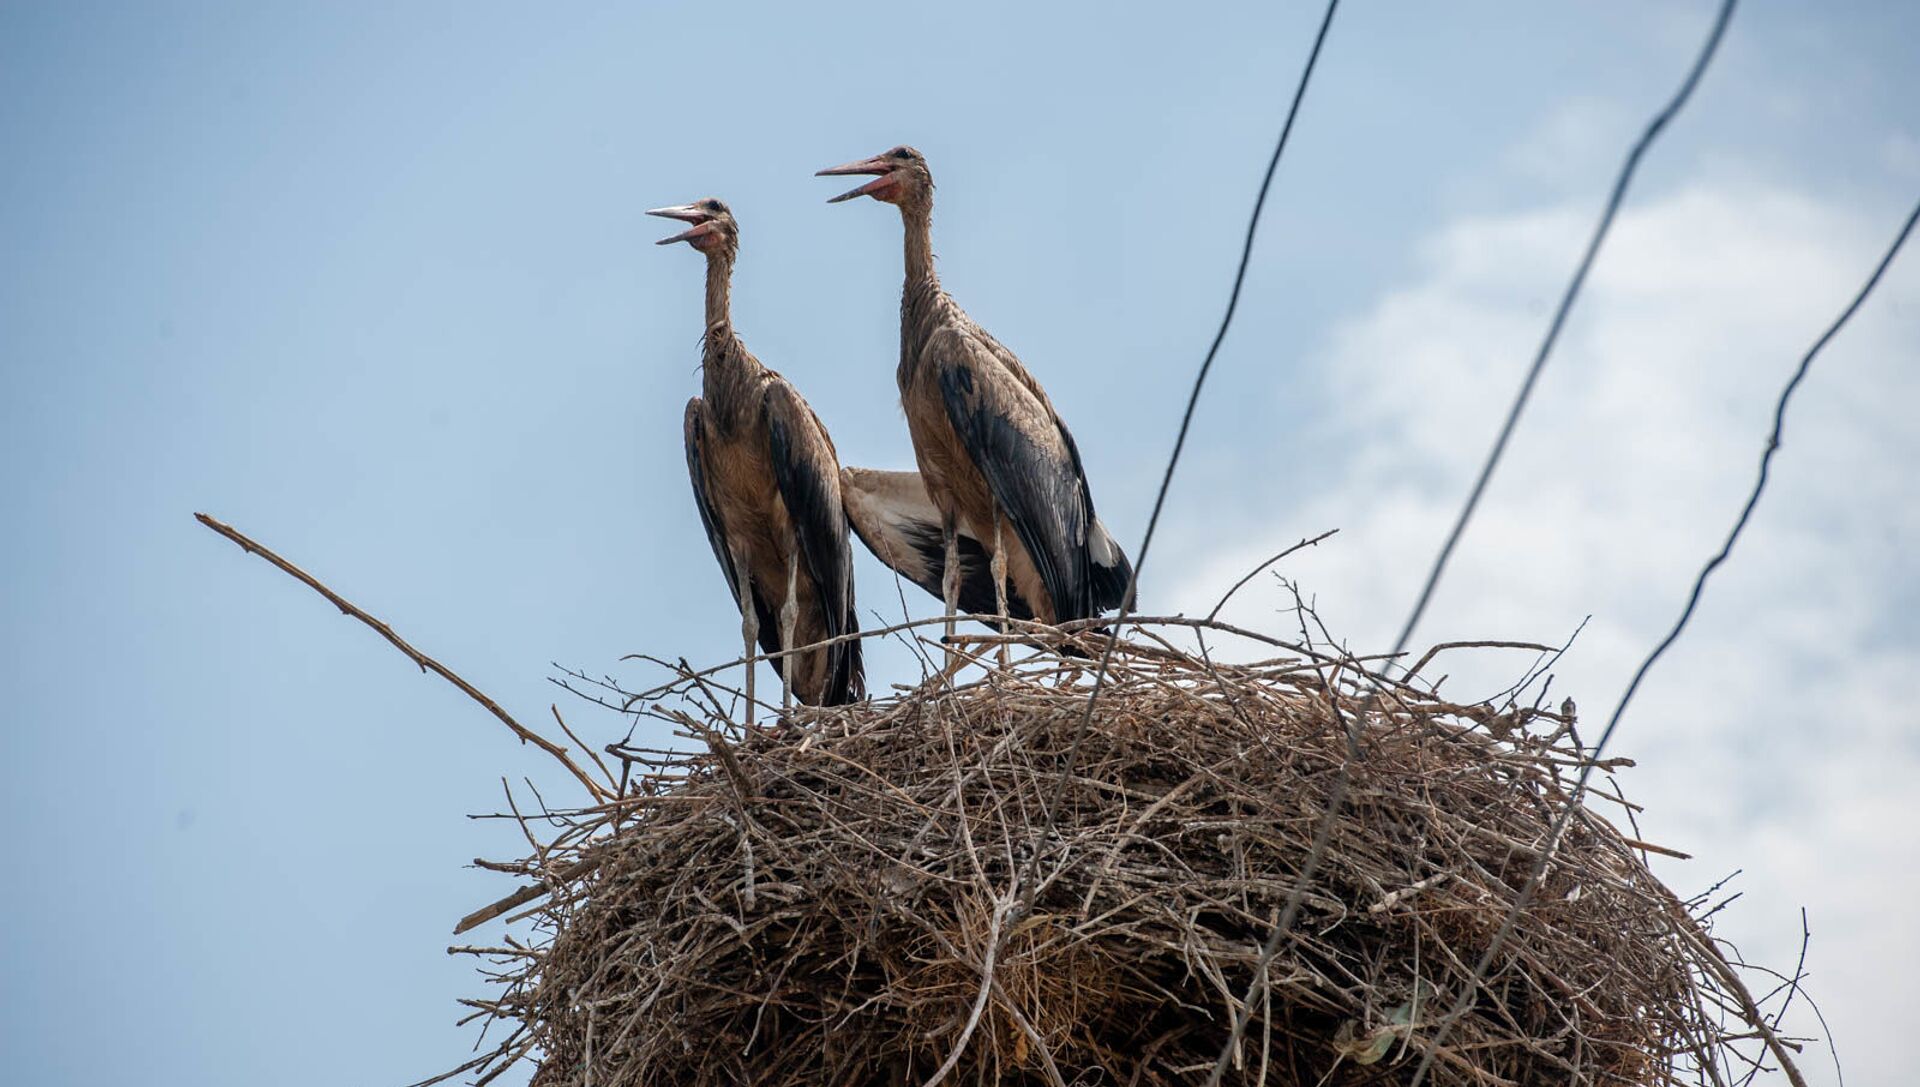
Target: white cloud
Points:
(1778, 737)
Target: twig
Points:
(1255, 572)
(1394, 898)
(525, 895)
(1437, 649)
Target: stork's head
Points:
(713, 226)
(902, 178)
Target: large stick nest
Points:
(913, 889)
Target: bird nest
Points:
(987, 883)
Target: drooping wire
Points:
(1337, 796)
(1559, 826)
(1028, 884)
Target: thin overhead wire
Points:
(1559, 826)
(1173, 459)
(1337, 795)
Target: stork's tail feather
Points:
(1109, 572)
(1086, 645)
(848, 681)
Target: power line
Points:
(1686, 614)
(1337, 797)
(1173, 460)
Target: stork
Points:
(899, 523)
(995, 458)
(767, 483)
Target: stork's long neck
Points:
(719, 290)
(727, 369)
(920, 298)
(917, 217)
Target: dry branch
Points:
(425, 663)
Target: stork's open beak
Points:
(686, 213)
(876, 165)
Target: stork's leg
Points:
(749, 626)
(789, 615)
(950, 586)
(999, 568)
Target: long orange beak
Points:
(686, 213)
(875, 165)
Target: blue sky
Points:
(372, 283)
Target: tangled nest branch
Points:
(832, 899)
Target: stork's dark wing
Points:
(1030, 465)
(901, 526)
(695, 430)
(1112, 573)
(808, 476)
(1110, 570)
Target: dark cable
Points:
(1693, 600)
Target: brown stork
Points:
(767, 482)
(993, 454)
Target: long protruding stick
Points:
(525, 895)
(426, 663)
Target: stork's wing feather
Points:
(695, 429)
(1111, 572)
(808, 476)
(901, 526)
(1029, 463)
(1011, 362)
(1108, 570)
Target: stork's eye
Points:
(902, 153)
(713, 206)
